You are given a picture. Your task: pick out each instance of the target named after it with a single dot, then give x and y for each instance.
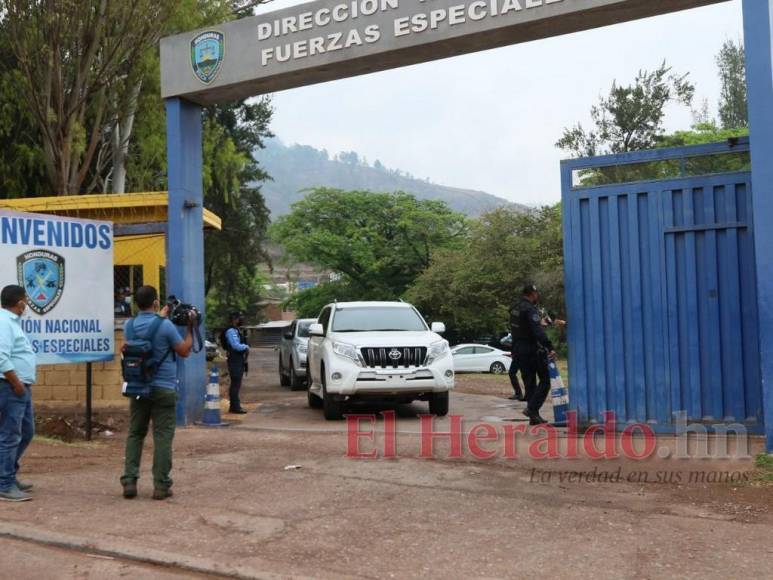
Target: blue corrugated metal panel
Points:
(758, 37)
(661, 294)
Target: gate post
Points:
(185, 241)
(758, 34)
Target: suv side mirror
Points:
(288, 335)
(316, 330)
(438, 327)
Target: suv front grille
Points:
(387, 357)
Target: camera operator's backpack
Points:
(137, 363)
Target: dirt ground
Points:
(238, 512)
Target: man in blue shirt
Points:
(238, 351)
(161, 406)
(17, 374)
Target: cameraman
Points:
(161, 407)
(238, 350)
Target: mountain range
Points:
(296, 168)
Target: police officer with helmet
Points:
(533, 349)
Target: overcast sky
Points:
(489, 120)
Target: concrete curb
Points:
(136, 554)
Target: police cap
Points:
(529, 289)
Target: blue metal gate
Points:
(661, 288)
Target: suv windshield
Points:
(377, 319)
(303, 329)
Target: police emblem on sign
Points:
(41, 274)
(207, 52)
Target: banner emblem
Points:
(41, 274)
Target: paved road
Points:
(29, 560)
(237, 511)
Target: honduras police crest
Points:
(41, 274)
(207, 52)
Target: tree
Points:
(106, 127)
(309, 303)
(78, 60)
(84, 67)
(21, 158)
(631, 117)
(231, 134)
(700, 134)
(472, 289)
(230, 174)
(378, 242)
(349, 157)
(733, 106)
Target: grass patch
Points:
(55, 442)
(764, 463)
(484, 378)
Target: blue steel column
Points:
(758, 33)
(185, 241)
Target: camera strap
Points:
(197, 339)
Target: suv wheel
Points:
(296, 382)
(331, 408)
(283, 378)
(438, 404)
(498, 368)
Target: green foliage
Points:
(764, 464)
(50, 153)
(309, 303)
(22, 173)
(700, 134)
(69, 76)
(631, 117)
(733, 107)
(471, 289)
(232, 255)
(78, 61)
(231, 176)
(297, 169)
(378, 242)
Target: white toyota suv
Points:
(377, 350)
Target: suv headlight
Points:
(347, 351)
(302, 347)
(437, 350)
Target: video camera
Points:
(181, 314)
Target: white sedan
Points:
(479, 358)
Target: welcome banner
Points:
(66, 267)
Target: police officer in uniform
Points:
(532, 349)
(238, 350)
